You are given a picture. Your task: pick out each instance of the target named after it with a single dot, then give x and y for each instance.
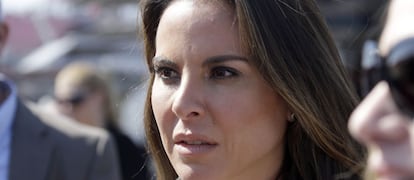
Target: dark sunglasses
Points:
(77, 99)
(397, 69)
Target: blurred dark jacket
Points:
(52, 147)
(133, 158)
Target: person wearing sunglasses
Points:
(383, 122)
(83, 93)
(44, 146)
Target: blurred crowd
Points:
(48, 34)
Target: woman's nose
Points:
(188, 99)
(377, 118)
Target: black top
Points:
(133, 158)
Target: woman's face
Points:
(217, 117)
(387, 133)
(81, 105)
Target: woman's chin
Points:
(196, 172)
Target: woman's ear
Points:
(291, 117)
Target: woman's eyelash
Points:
(222, 72)
(216, 73)
(165, 72)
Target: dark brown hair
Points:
(290, 45)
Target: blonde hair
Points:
(87, 77)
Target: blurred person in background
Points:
(83, 93)
(384, 119)
(48, 146)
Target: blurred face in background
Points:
(217, 117)
(385, 128)
(387, 133)
(83, 105)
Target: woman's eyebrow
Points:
(158, 60)
(161, 60)
(223, 58)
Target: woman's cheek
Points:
(161, 106)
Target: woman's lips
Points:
(194, 149)
(191, 144)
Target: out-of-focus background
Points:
(45, 35)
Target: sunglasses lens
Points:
(401, 79)
(77, 99)
(74, 100)
(369, 79)
(372, 68)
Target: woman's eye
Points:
(223, 72)
(166, 73)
